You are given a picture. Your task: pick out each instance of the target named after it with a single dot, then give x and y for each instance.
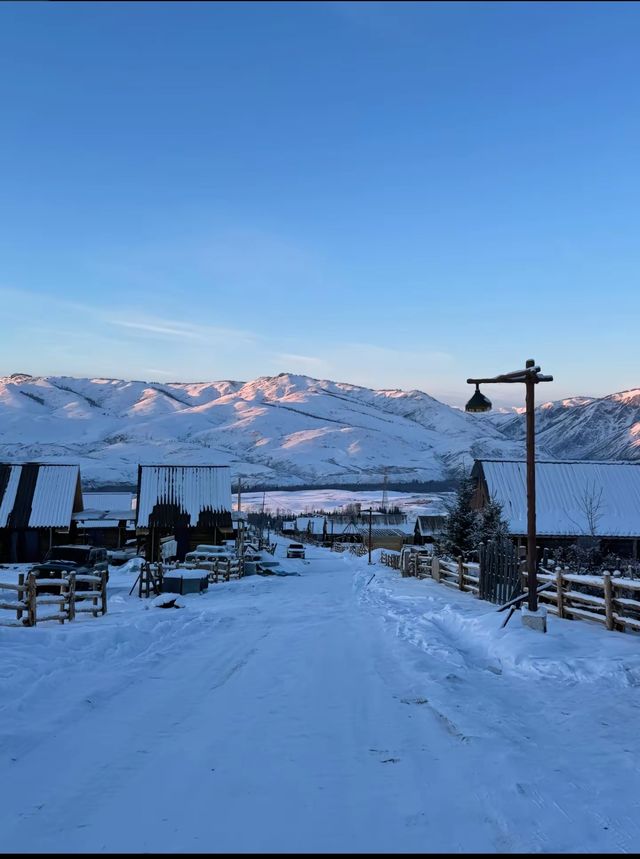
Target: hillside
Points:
(287, 430)
(284, 430)
(585, 427)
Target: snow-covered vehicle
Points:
(117, 557)
(82, 560)
(205, 552)
(295, 550)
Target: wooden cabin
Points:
(576, 501)
(428, 528)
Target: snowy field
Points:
(308, 500)
(327, 712)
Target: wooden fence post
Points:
(608, 600)
(559, 585)
(64, 592)
(31, 599)
(71, 595)
(569, 586)
(435, 568)
(21, 595)
(103, 588)
(460, 573)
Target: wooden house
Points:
(589, 501)
(108, 519)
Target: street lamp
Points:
(530, 376)
(370, 512)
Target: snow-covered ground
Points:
(326, 712)
(308, 500)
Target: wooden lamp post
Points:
(530, 376)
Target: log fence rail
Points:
(32, 594)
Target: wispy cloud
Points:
(177, 329)
(153, 371)
(313, 363)
(167, 330)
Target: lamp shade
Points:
(478, 402)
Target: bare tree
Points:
(591, 507)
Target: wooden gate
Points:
(500, 579)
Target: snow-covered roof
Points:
(186, 489)
(564, 493)
(108, 500)
(431, 525)
(313, 524)
(108, 518)
(379, 531)
(33, 495)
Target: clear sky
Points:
(395, 195)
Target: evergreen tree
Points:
(458, 536)
(490, 525)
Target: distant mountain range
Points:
(289, 430)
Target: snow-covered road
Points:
(325, 712)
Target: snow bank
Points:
(438, 618)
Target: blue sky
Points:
(395, 195)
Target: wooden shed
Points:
(190, 502)
(37, 503)
(428, 528)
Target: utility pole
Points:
(385, 492)
(370, 511)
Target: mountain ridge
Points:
(289, 429)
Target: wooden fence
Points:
(609, 599)
(33, 594)
(358, 549)
(462, 575)
(220, 568)
(616, 603)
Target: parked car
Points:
(117, 557)
(83, 560)
(295, 550)
(206, 552)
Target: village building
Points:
(192, 503)
(37, 505)
(311, 526)
(107, 519)
(594, 503)
(429, 528)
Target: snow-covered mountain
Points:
(585, 427)
(286, 430)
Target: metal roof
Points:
(116, 516)
(108, 501)
(312, 524)
(191, 489)
(429, 526)
(564, 492)
(33, 495)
